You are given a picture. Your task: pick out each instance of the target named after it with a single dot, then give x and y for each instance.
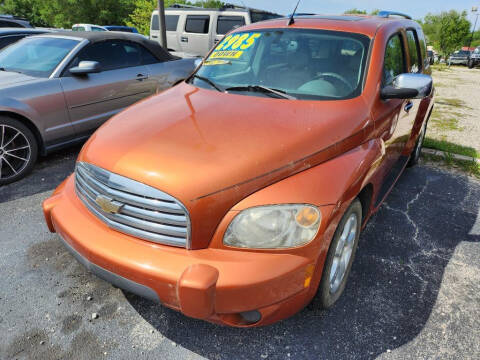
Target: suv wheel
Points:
(18, 150)
(417, 150)
(470, 64)
(340, 256)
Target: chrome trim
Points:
(145, 212)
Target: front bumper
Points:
(458, 61)
(217, 285)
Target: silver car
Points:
(56, 89)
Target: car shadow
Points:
(48, 173)
(395, 280)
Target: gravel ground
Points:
(414, 291)
(463, 84)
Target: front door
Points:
(394, 117)
(94, 98)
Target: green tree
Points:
(447, 31)
(28, 9)
(356, 11)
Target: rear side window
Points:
(10, 24)
(171, 22)
(147, 57)
(155, 24)
(94, 28)
(394, 62)
(197, 24)
(256, 16)
(414, 51)
(227, 23)
(7, 40)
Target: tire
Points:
(331, 286)
(18, 150)
(470, 64)
(417, 150)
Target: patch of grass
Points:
(469, 167)
(450, 147)
(445, 121)
(451, 102)
(440, 67)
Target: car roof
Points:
(97, 36)
(12, 31)
(362, 24)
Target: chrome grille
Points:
(138, 209)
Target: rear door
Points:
(196, 37)
(94, 98)
(226, 23)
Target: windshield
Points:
(35, 56)
(305, 64)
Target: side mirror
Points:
(86, 67)
(408, 86)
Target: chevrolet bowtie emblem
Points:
(108, 205)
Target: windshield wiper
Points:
(210, 82)
(264, 89)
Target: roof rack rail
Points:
(185, 6)
(387, 14)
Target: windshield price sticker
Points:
(233, 46)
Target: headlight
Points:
(273, 227)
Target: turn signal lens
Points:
(307, 216)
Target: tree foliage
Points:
(447, 31)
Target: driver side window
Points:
(394, 62)
(111, 55)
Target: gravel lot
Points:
(457, 106)
(414, 292)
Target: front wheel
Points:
(470, 64)
(340, 256)
(417, 150)
(18, 150)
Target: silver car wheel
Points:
(15, 151)
(343, 253)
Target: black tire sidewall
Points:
(33, 145)
(327, 299)
(416, 156)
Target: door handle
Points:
(216, 41)
(184, 39)
(155, 36)
(141, 77)
(408, 106)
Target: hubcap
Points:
(15, 151)
(343, 253)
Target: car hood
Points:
(8, 78)
(210, 149)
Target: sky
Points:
(416, 8)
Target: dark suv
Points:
(474, 58)
(13, 21)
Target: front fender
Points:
(8, 104)
(333, 182)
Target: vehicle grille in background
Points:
(138, 209)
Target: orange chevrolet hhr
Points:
(239, 195)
